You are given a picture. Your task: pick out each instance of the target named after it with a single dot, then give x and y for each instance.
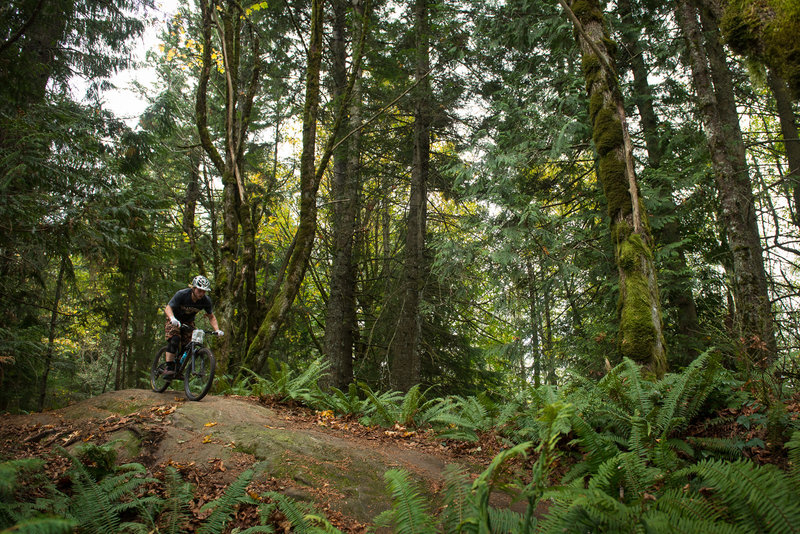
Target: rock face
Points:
(306, 458)
(338, 470)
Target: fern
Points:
(432, 410)
(43, 525)
(223, 508)
(758, 498)
(576, 509)
(657, 522)
(793, 447)
(282, 383)
(509, 411)
(349, 403)
(677, 504)
(26, 473)
(409, 513)
(414, 405)
(461, 418)
(176, 505)
(505, 520)
(10, 472)
(295, 512)
(456, 495)
(687, 394)
(97, 505)
(260, 529)
(723, 447)
(301, 516)
(383, 408)
(232, 385)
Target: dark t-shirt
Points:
(185, 308)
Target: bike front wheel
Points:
(199, 374)
(157, 380)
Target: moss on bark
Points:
(607, 131)
(638, 308)
(587, 10)
(766, 31)
(641, 337)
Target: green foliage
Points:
(43, 525)
(461, 418)
(284, 384)
(410, 512)
(764, 31)
(98, 505)
(12, 471)
(179, 493)
(18, 507)
(758, 498)
(457, 496)
(349, 403)
(384, 408)
(99, 461)
(223, 507)
(301, 516)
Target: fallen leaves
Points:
(399, 430)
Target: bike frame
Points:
(187, 365)
(186, 353)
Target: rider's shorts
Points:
(186, 334)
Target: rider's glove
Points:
(220, 333)
(174, 321)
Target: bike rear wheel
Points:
(157, 380)
(199, 374)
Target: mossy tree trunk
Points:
(641, 335)
(714, 88)
(677, 294)
(766, 31)
(48, 357)
(291, 277)
(236, 280)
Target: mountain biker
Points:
(182, 308)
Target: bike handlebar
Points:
(207, 332)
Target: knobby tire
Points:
(157, 380)
(197, 378)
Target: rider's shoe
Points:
(168, 374)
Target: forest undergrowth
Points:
(698, 450)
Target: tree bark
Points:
(753, 322)
(309, 185)
(791, 142)
(678, 294)
(291, 277)
(33, 66)
(236, 280)
(189, 210)
(641, 335)
(122, 348)
(48, 357)
(405, 359)
(340, 320)
(533, 299)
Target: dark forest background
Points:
(474, 196)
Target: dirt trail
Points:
(338, 465)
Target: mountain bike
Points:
(194, 362)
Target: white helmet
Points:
(201, 282)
